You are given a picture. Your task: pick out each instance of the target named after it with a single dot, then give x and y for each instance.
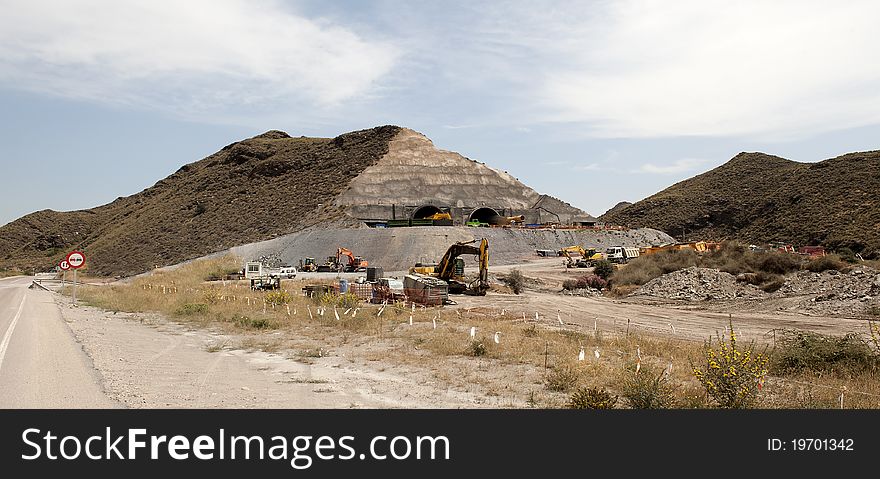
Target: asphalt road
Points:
(41, 364)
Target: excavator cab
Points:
(451, 268)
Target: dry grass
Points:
(523, 364)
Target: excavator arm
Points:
(446, 267)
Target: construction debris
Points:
(698, 284)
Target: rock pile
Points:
(696, 284)
(854, 293)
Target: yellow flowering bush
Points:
(733, 375)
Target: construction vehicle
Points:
(287, 272)
(355, 263)
(507, 220)
(262, 277)
(329, 266)
(439, 216)
(588, 257)
(451, 268)
(698, 246)
(621, 254)
(308, 264)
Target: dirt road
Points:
(693, 321)
(148, 362)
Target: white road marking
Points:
(8, 335)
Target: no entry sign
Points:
(64, 265)
(76, 259)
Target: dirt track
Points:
(693, 321)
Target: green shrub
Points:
(732, 375)
(477, 348)
(603, 269)
(797, 351)
(278, 298)
(247, 322)
(647, 389)
(825, 263)
(777, 262)
(190, 309)
(591, 398)
(847, 255)
(515, 281)
(561, 379)
(569, 284)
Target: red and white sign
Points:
(76, 259)
(64, 265)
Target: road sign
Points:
(64, 265)
(76, 259)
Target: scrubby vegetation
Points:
(799, 351)
(515, 281)
(764, 269)
(591, 398)
(731, 374)
(539, 355)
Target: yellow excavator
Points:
(439, 216)
(451, 268)
(588, 257)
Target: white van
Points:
(621, 254)
(287, 272)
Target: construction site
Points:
(403, 275)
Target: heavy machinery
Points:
(308, 264)
(507, 220)
(329, 266)
(451, 268)
(261, 276)
(355, 263)
(621, 254)
(588, 257)
(439, 216)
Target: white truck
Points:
(621, 254)
(261, 276)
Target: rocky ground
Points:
(853, 294)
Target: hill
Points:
(250, 190)
(759, 198)
(270, 186)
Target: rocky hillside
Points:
(262, 188)
(760, 198)
(251, 190)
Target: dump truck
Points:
(261, 276)
(621, 254)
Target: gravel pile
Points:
(697, 284)
(831, 292)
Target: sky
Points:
(594, 102)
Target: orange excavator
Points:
(355, 263)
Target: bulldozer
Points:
(451, 268)
(588, 256)
(308, 264)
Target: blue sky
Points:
(594, 102)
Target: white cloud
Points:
(590, 167)
(682, 165)
(769, 70)
(192, 57)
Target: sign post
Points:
(63, 266)
(76, 260)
